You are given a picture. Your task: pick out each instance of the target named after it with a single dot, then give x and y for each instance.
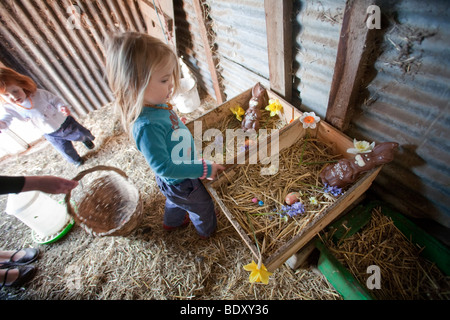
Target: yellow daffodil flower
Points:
(258, 274)
(361, 147)
(274, 107)
(238, 111)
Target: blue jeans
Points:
(190, 196)
(62, 138)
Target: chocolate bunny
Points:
(346, 171)
(253, 113)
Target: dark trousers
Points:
(62, 138)
(190, 196)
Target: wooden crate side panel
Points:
(338, 141)
(219, 113)
(289, 113)
(235, 224)
(215, 116)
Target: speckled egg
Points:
(292, 198)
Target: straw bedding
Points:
(405, 275)
(231, 123)
(150, 263)
(299, 168)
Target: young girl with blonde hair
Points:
(21, 99)
(143, 73)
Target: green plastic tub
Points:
(343, 280)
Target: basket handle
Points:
(81, 174)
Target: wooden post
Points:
(348, 69)
(212, 67)
(279, 46)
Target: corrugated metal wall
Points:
(317, 26)
(240, 46)
(239, 33)
(59, 44)
(190, 45)
(408, 102)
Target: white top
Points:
(45, 113)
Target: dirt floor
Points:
(150, 263)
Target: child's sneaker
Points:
(184, 224)
(206, 237)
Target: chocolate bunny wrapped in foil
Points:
(253, 113)
(347, 171)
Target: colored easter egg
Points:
(254, 200)
(292, 198)
(261, 203)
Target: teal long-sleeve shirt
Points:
(167, 145)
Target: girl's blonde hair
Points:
(10, 77)
(131, 57)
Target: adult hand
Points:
(49, 184)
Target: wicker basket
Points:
(107, 206)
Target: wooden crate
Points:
(290, 133)
(213, 117)
(221, 115)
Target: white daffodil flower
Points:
(361, 147)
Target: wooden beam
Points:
(209, 57)
(348, 69)
(160, 20)
(279, 46)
